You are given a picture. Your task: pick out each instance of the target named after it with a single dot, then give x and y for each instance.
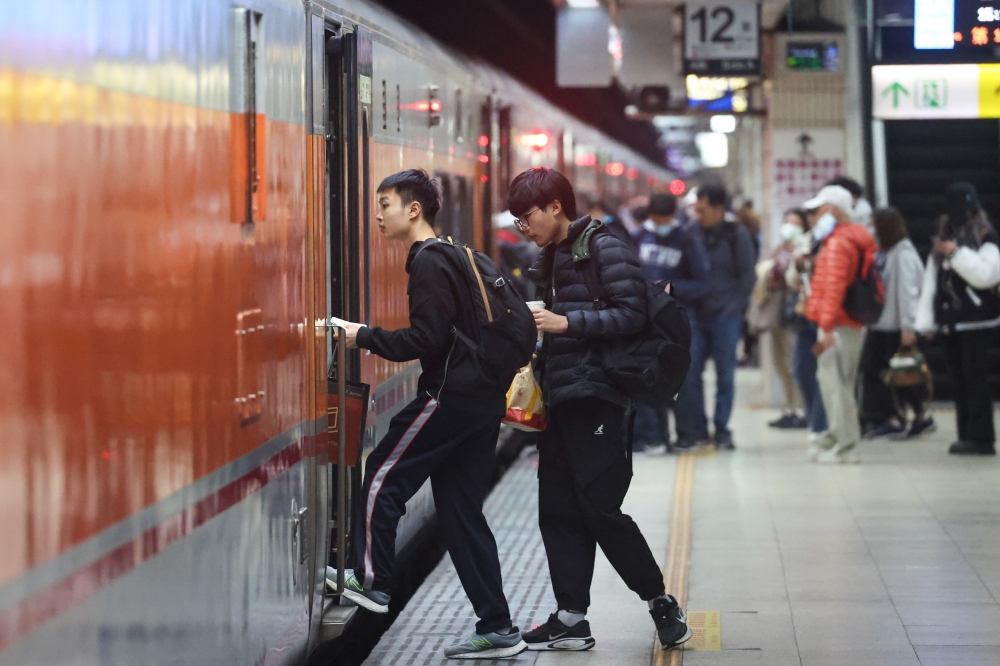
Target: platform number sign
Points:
(722, 38)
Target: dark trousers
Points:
(456, 450)
(878, 404)
(579, 510)
(804, 369)
(966, 353)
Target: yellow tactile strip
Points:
(675, 574)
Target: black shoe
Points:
(972, 449)
(671, 622)
(685, 444)
(921, 427)
(788, 421)
(554, 635)
(724, 442)
(889, 428)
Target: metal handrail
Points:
(341, 457)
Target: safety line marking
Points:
(675, 574)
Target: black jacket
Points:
(570, 362)
(436, 292)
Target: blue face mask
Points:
(658, 229)
(824, 226)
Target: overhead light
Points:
(723, 123)
(582, 4)
(537, 140)
(713, 148)
(615, 169)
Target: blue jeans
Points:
(804, 368)
(649, 428)
(717, 338)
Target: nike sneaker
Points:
(488, 646)
(373, 600)
(671, 622)
(554, 635)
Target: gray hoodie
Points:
(902, 274)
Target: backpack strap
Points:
(585, 250)
(479, 279)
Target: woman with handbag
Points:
(959, 299)
(883, 406)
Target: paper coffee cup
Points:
(537, 305)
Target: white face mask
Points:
(789, 231)
(658, 229)
(824, 226)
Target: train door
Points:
(341, 73)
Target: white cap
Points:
(832, 194)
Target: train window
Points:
(385, 107)
(464, 222)
(248, 135)
(459, 138)
(504, 169)
(444, 224)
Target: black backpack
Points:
(865, 296)
(505, 328)
(651, 366)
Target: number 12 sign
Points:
(722, 38)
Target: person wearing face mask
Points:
(838, 351)
(798, 277)
(782, 326)
(674, 253)
(959, 299)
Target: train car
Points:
(187, 192)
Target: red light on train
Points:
(484, 141)
(677, 187)
(435, 106)
(484, 178)
(615, 169)
(484, 158)
(632, 174)
(537, 141)
(586, 159)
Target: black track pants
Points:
(576, 516)
(456, 450)
(965, 352)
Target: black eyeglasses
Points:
(523, 226)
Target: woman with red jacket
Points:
(838, 350)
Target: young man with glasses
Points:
(584, 456)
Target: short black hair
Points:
(849, 184)
(662, 204)
(539, 187)
(415, 185)
(714, 193)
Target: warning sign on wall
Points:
(804, 161)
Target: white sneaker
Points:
(813, 452)
(838, 456)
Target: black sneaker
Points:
(685, 444)
(922, 426)
(671, 622)
(724, 442)
(554, 635)
(962, 448)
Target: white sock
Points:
(569, 618)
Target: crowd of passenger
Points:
(841, 380)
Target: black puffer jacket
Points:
(570, 362)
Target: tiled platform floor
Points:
(894, 561)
